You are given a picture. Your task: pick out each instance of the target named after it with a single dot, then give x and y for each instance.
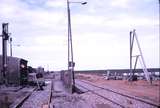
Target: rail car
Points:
(35, 77)
(16, 72)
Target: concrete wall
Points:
(66, 78)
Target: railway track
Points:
(34, 98)
(18, 102)
(50, 95)
(13, 97)
(117, 98)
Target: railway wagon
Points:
(16, 72)
(36, 76)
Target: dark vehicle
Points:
(35, 77)
(17, 72)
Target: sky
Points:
(100, 32)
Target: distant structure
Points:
(139, 57)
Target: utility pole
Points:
(70, 50)
(5, 37)
(10, 41)
(71, 63)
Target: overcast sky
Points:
(100, 32)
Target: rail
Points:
(18, 103)
(118, 93)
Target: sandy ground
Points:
(139, 88)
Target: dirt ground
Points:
(140, 88)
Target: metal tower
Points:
(133, 36)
